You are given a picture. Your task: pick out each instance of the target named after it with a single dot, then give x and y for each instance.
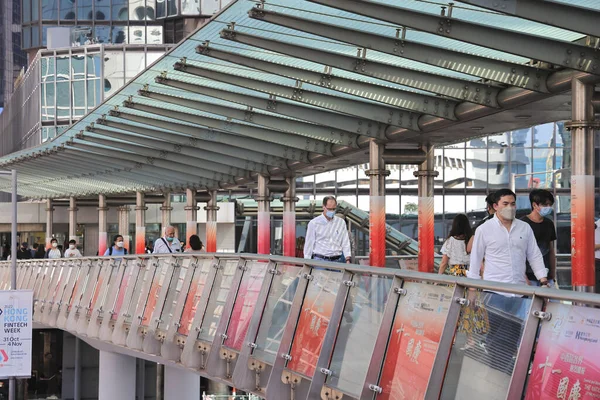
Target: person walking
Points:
(542, 202)
(53, 252)
(118, 247)
(72, 251)
(168, 243)
(327, 236)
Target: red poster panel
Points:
(245, 302)
(129, 269)
(426, 234)
(193, 298)
(314, 319)
(157, 283)
(582, 232)
(566, 364)
(418, 324)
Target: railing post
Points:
(426, 175)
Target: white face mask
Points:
(72, 246)
(119, 244)
(54, 244)
(508, 213)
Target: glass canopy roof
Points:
(287, 87)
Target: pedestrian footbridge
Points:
(288, 328)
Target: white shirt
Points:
(327, 238)
(72, 253)
(161, 248)
(54, 253)
(456, 250)
(505, 252)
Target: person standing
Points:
(72, 251)
(24, 253)
(327, 236)
(168, 243)
(454, 249)
(118, 247)
(53, 251)
(542, 202)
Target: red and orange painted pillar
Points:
(124, 226)
(191, 215)
(377, 230)
(102, 225)
(582, 128)
(140, 223)
(289, 218)
(211, 222)
(72, 218)
(426, 175)
(49, 222)
(264, 216)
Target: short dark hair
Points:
(72, 241)
(490, 199)
(195, 242)
(541, 196)
(116, 237)
(35, 245)
(25, 244)
(327, 198)
(53, 240)
(503, 192)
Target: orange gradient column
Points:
(140, 223)
(211, 223)
(289, 218)
(102, 225)
(426, 175)
(49, 222)
(377, 231)
(72, 218)
(124, 226)
(191, 215)
(582, 129)
(264, 216)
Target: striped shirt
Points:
(327, 238)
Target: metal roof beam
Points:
(565, 54)
(374, 112)
(310, 114)
(179, 153)
(159, 157)
(486, 68)
(234, 131)
(459, 89)
(396, 97)
(282, 124)
(570, 17)
(210, 151)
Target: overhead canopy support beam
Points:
(314, 115)
(565, 54)
(210, 151)
(298, 128)
(570, 17)
(268, 139)
(459, 89)
(490, 69)
(397, 97)
(375, 113)
(183, 154)
(252, 148)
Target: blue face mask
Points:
(545, 211)
(169, 239)
(330, 214)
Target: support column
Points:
(140, 223)
(102, 225)
(166, 213)
(49, 222)
(116, 377)
(426, 175)
(582, 129)
(211, 222)
(181, 384)
(72, 218)
(289, 218)
(124, 226)
(191, 215)
(377, 230)
(264, 216)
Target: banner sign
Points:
(567, 360)
(16, 314)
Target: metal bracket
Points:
(349, 283)
(252, 345)
(462, 301)
(400, 291)
(326, 371)
(228, 356)
(286, 357)
(308, 277)
(543, 315)
(258, 367)
(375, 388)
(328, 393)
(274, 271)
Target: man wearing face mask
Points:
(168, 243)
(327, 236)
(542, 202)
(72, 251)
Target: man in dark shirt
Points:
(23, 253)
(542, 202)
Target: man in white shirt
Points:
(72, 251)
(168, 243)
(327, 236)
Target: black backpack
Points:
(110, 250)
